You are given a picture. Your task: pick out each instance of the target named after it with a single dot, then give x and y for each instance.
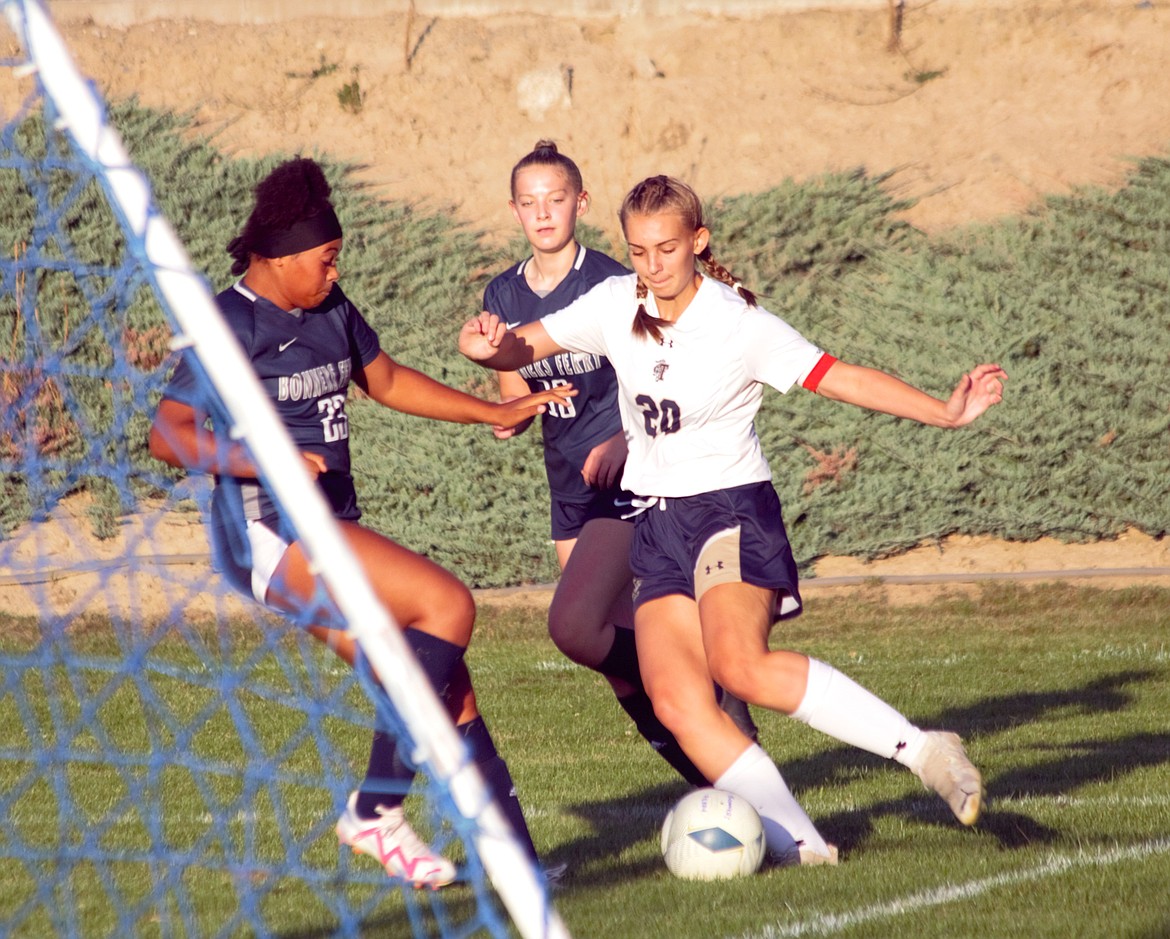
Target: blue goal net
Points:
(173, 757)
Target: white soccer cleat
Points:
(810, 858)
(391, 841)
(943, 766)
(800, 854)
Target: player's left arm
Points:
(872, 388)
(410, 391)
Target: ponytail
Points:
(545, 153)
(292, 212)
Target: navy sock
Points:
(438, 657)
(495, 773)
(388, 773)
(621, 661)
(388, 777)
(738, 711)
(641, 711)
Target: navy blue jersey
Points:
(572, 429)
(305, 361)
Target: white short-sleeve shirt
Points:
(689, 402)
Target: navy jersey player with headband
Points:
(591, 615)
(713, 568)
(307, 342)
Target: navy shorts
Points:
(568, 518)
(249, 557)
(685, 546)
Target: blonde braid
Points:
(718, 272)
(644, 323)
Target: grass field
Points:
(1062, 695)
(182, 779)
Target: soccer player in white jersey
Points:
(712, 565)
(591, 614)
(307, 342)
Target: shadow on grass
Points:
(616, 824)
(1062, 768)
(1067, 765)
(394, 911)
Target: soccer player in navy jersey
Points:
(591, 616)
(713, 569)
(307, 343)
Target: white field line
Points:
(928, 802)
(829, 923)
(1079, 802)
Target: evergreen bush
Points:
(1071, 299)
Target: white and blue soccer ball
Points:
(712, 834)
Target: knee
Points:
(676, 711)
(573, 629)
(449, 615)
(566, 640)
(459, 609)
(737, 674)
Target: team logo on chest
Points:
(660, 368)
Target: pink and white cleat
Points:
(391, 841)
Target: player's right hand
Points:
(518, 410)
(314, 463)
(603, 466)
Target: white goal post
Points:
(186, 297)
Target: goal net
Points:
(173, 758)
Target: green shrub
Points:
(1071, 300)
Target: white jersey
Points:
(689, 403)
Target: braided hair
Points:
(292, 213)
(662, 194)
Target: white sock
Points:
(754, 777)
(836, 705)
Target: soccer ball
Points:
(711, 834)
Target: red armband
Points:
(818, 372)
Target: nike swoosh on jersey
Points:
(285, 345)
(512, 325)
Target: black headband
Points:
(303, 234)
